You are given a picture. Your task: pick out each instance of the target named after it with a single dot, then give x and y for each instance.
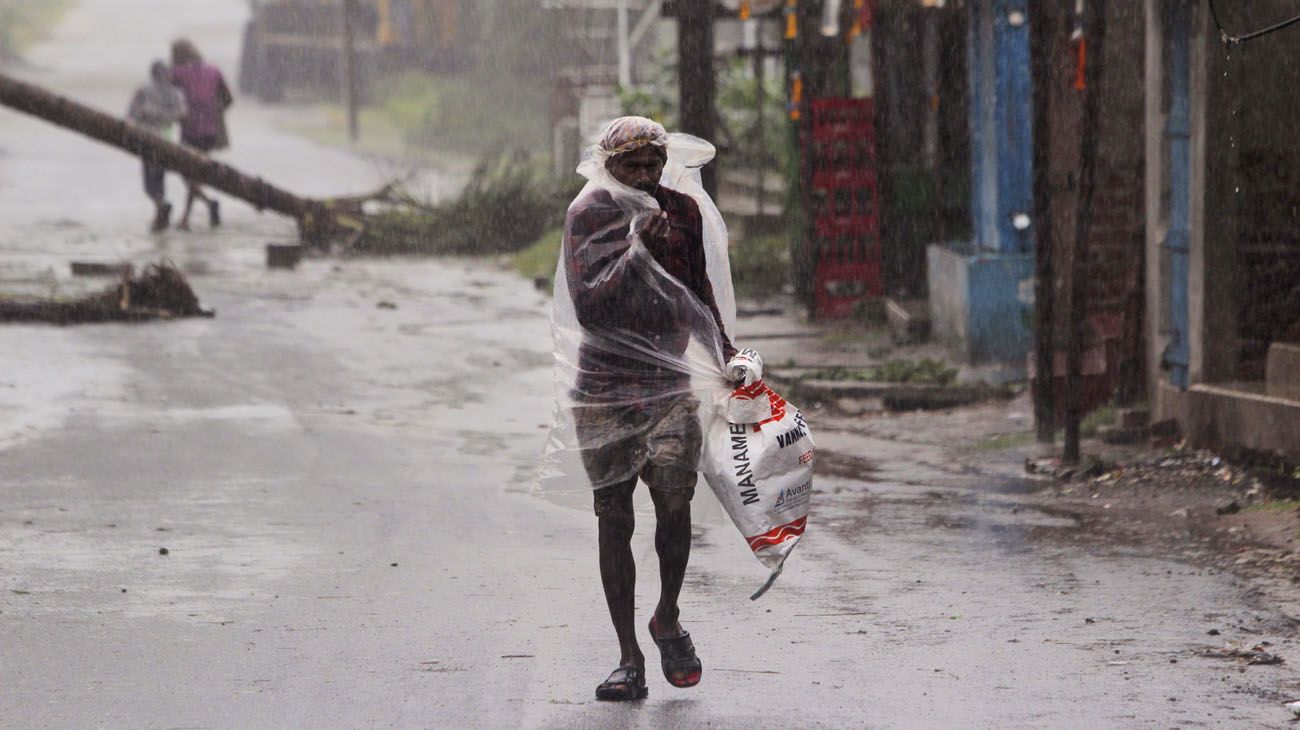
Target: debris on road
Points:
(1053, 467)
(1231, 508)
(1256, 655)
(159, 292)
(99, 268)
(1178, 468)
(283, 256)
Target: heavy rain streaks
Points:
(360, 361)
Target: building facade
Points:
(1223, 226)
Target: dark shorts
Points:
(155, 176)
(658, 442)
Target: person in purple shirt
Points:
(204, 127)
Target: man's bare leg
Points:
(672, 543)
(617, 567)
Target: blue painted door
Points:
(1177, 140)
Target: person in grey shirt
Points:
(157, 106)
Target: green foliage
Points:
(23, 22)
(1276, 506)
(473, 113)
(506, 205)
(1003, 441)
(1092, 422)
(539, 259)
(760, 266)
(918, 372)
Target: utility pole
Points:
(348, 65)
(760, 121)
(624, 47)
(1041, 59)
(696, 81)
(1079, 258)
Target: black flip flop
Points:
(624, 684)
(677, 655)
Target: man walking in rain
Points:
(636, 317)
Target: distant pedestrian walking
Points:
(156, 106)
(204, 128)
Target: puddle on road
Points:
(60, 224)
(847, 466)
(855, 501)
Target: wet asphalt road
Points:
(342, 491)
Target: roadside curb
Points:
(893, 396)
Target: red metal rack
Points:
(842, 199)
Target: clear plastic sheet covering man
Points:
(632, 342)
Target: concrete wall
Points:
(949, 295)
(1229, 419)
(1283, 374)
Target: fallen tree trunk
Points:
(316, 220)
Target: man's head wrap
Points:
(627, 134)
(683, 153)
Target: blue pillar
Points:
(1178, 135)
(980, 290)
(1000, 123)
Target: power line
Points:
(1232, 40)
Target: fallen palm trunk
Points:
(316, 218)
(160, 292)
(503, 208)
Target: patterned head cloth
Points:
(626, 134)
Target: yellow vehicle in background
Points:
(293, 46)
